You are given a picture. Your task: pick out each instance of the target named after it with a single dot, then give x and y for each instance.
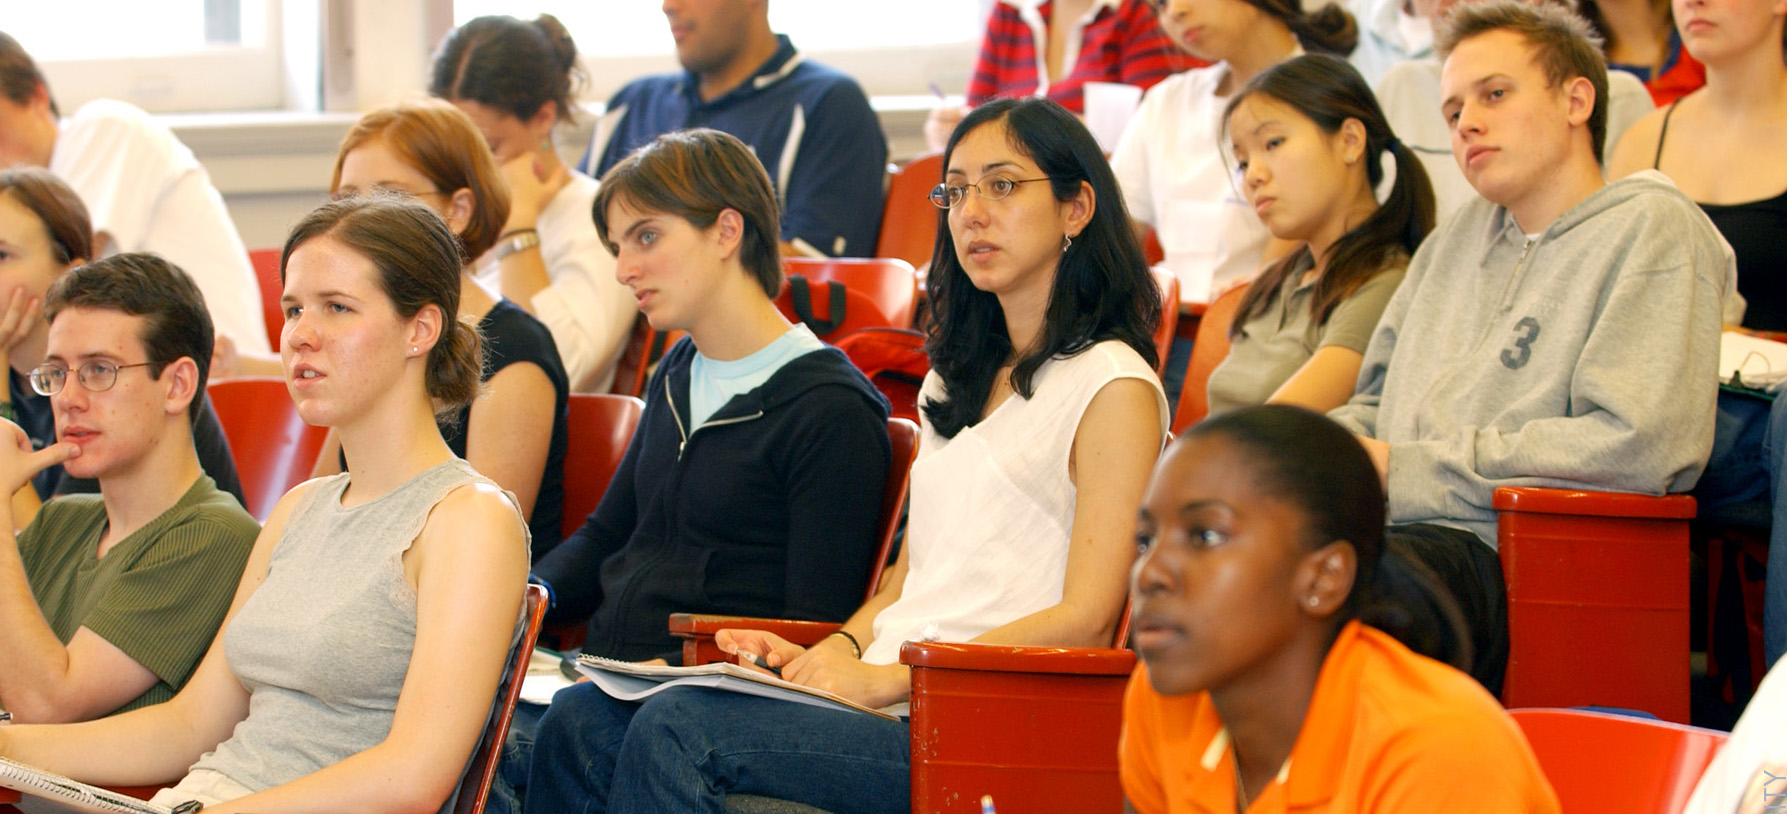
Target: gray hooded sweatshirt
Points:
(1586, 357)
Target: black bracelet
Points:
(854, 644)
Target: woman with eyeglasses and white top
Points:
(1042, 417)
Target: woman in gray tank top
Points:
(366, 639)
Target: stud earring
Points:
(1314, 601)
(414, 350)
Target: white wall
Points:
(272, 168)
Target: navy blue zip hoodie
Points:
(767, 509)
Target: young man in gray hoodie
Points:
(1561, 332)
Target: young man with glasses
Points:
(110, 600)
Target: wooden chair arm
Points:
(1536, 500)
(1092, 661)
(697, 632)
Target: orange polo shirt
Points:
(1387, 731)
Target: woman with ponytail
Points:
(370, 626)
(514, 432)
(516, 79)
(1289, 659)
(1169, 161)
(1311, 147)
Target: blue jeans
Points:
(686, 748)
(1748, 458)
(508, 787)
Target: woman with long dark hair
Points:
(1042, 416)
(1311, 147)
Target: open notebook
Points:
(633, 682)
(71, 793)
(1751, 362)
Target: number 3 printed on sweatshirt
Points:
(1516, 357)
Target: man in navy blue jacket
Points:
(810, 125)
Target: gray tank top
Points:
(323, 644)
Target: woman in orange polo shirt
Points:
(1272, 630)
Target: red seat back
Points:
(860, 310)
(1164, 331)
(645, 347)
(598, 429)
(902, 435)
(1207, 351)
(1597, 599)
(909, 219)
(890, 282)
(273, 448)
(894, 360)
(1614, 763)
(474, 787)
(266, 273)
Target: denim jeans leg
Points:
(575, 746)
(688, 748)
(1774, 603)
(508, 786)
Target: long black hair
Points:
(1306, 459)
(1102, 290)
(1329, 91)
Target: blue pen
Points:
(986, 804)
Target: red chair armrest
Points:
(1035, 727)
(1536, 500)
(1099, 661)
(697, 632)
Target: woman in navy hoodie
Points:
(753, 483)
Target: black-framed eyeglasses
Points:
(996, 187)
(97, 376)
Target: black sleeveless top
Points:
(1757, 232)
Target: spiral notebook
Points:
(72, 793)
(629, 681)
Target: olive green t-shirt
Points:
(159, 595)
(1273, 346)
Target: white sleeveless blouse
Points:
(992, 508)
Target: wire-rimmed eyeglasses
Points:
(97, 376)
(997, 187)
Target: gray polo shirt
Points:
(1275, 344)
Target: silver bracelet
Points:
(523, 240)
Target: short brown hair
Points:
(695, 175)
(175, 320)
(49, 198)
(1563, 45)
(417, 258)
(19, 75)
(439, 141)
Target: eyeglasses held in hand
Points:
(97, 376)
(991, 188)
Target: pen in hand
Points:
(758, 660)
